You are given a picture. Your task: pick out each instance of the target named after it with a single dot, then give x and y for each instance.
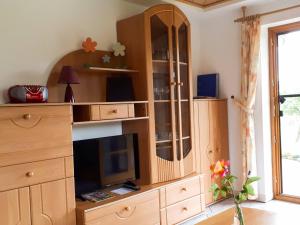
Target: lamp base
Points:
(69, 96)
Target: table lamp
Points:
(68, 76)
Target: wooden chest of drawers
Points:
(113, 111)
(182, 190)
(34, 133)
(162, 205)
(140, 209)
(22, 175)
(36, 165)
(184, 210)
(182, 200)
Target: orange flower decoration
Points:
(220, 169)
(89, 45)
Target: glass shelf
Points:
(168, 141)
(167, 61)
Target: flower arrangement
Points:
(221, 169)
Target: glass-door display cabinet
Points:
(165, 55)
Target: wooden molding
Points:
(204, 3)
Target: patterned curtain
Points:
(249, 71)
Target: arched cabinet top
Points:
(165, 8)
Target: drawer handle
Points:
(126, 212)
(27, 116)
(183, 189)
(210, 152)
(114, 111)
(30, 174)
(173, 83)
(184, 209)
(180, 84)
(127, 208)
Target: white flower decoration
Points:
(119, 49)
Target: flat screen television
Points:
(103, 162)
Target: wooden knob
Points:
(27, 116)
(183, 189)
(210, 152)
(173, 83)
(115, 111)
(180, 84)
(30, 174)
(185, 209)
(127, 208)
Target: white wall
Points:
(35, 34)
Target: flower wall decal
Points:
(89, 45)
(119, 49)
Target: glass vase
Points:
(238, 218)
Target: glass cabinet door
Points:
(163, 90)
(171, 93)
(181, 68)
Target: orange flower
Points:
(219, 169)
(89, 45)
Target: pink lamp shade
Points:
(68, 76)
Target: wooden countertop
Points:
(252, 217)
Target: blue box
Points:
(208, 85)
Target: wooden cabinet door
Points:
(222, 142)
(52, 203)
(211, 138)
(219, 129)
(203, 145)
(15, 207)
(218, 133)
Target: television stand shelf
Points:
(163, 203)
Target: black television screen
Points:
(102, 162)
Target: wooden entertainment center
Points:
(178, 137)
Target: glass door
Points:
(182, 93)
(289, 106)
(163, 88)
(171, 92)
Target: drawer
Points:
(34, 133)
(182, 190)
(118, 111)
(184, 210)
(31, 173)
(144, 207)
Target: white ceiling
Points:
(229, 4)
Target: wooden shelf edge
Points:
(109, 103)
(109, 121)
(117, 70)
(167, 101)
